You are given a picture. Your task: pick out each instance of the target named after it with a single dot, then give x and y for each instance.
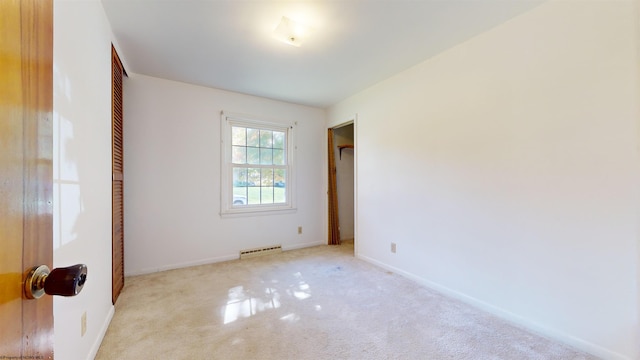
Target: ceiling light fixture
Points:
(291, 32)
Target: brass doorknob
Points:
(67, 281)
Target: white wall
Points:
(345, 180)
(517, 154)
(172, 177)
(82, 171)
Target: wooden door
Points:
(26, 102)
(117, 182)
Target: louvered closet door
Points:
(117, 179)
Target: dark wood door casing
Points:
(334, 222)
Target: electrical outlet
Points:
(83, 324)
(393, 248)
(299, 229)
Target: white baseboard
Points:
(103, 331)
(185, 264)
(540, 329)
(213, 260)
(302, 246)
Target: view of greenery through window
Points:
(259, 166)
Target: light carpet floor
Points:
(314, 303)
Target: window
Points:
(257, 165)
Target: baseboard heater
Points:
(249, 253)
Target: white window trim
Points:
(227, 209)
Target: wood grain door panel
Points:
(117, 181)
(26, 156)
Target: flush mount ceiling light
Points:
(291, 32)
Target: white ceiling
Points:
(228, 44)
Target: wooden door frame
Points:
(352, 120)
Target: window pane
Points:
(278, 140)
(253, 155)
(278, 157)
(253, 137)
(254, 195)
(238, 136)
(267, 177)
(239, 177)
(266, 139)
(239, 187)
(239, 196)
(266, 156)
(253, 177)
(279, 195)
(239, 155)
(267, 195)
(280, 186)
(279, 177)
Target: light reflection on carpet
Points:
(242, 304)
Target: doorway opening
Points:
(342, 184)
